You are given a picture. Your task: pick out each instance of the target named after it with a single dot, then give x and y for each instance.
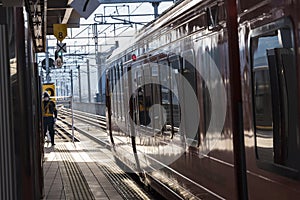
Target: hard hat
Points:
(46, 94)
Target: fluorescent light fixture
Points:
(67, 15)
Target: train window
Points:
(212, 17)
(247, 5)
(174, 102)
(119, 92)
(174, 66)
(154, 113)
(165, 92)
(188, 67)
(111, 77)
(275, 98)
(115, 92)
(164, 80)
(154, 71)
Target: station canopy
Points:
(46, 13)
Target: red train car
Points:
(203, 102)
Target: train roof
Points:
(178, 9)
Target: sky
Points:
(80, 44)
(80, 41)
(80, 35)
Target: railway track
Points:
(93, 127)
(92, 119)
(90, 125)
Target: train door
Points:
(174, 62)
(166, 95)
(162, 96)
(131, 99)
(136, 90)
(108, 106)
(138, 96)
(156, 112)
(188, 72)
(144, 97)
(275, 106)
(115, 93)
(137, 93)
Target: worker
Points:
(49, 116)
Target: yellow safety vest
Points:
(46, 111)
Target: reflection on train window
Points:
(262, 96)
(274, 98)
(164, 111)
(174, 73)
(155, 112)
(188, 67)
(167, 96)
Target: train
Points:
(21, 135)
(203, 102)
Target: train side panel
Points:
(206, 168)
(195, 46)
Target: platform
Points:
(86, 170)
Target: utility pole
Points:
(95, 33)
(89, 79)
(71, 74)
(48, 79)
(155, 6)
(79, 83)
